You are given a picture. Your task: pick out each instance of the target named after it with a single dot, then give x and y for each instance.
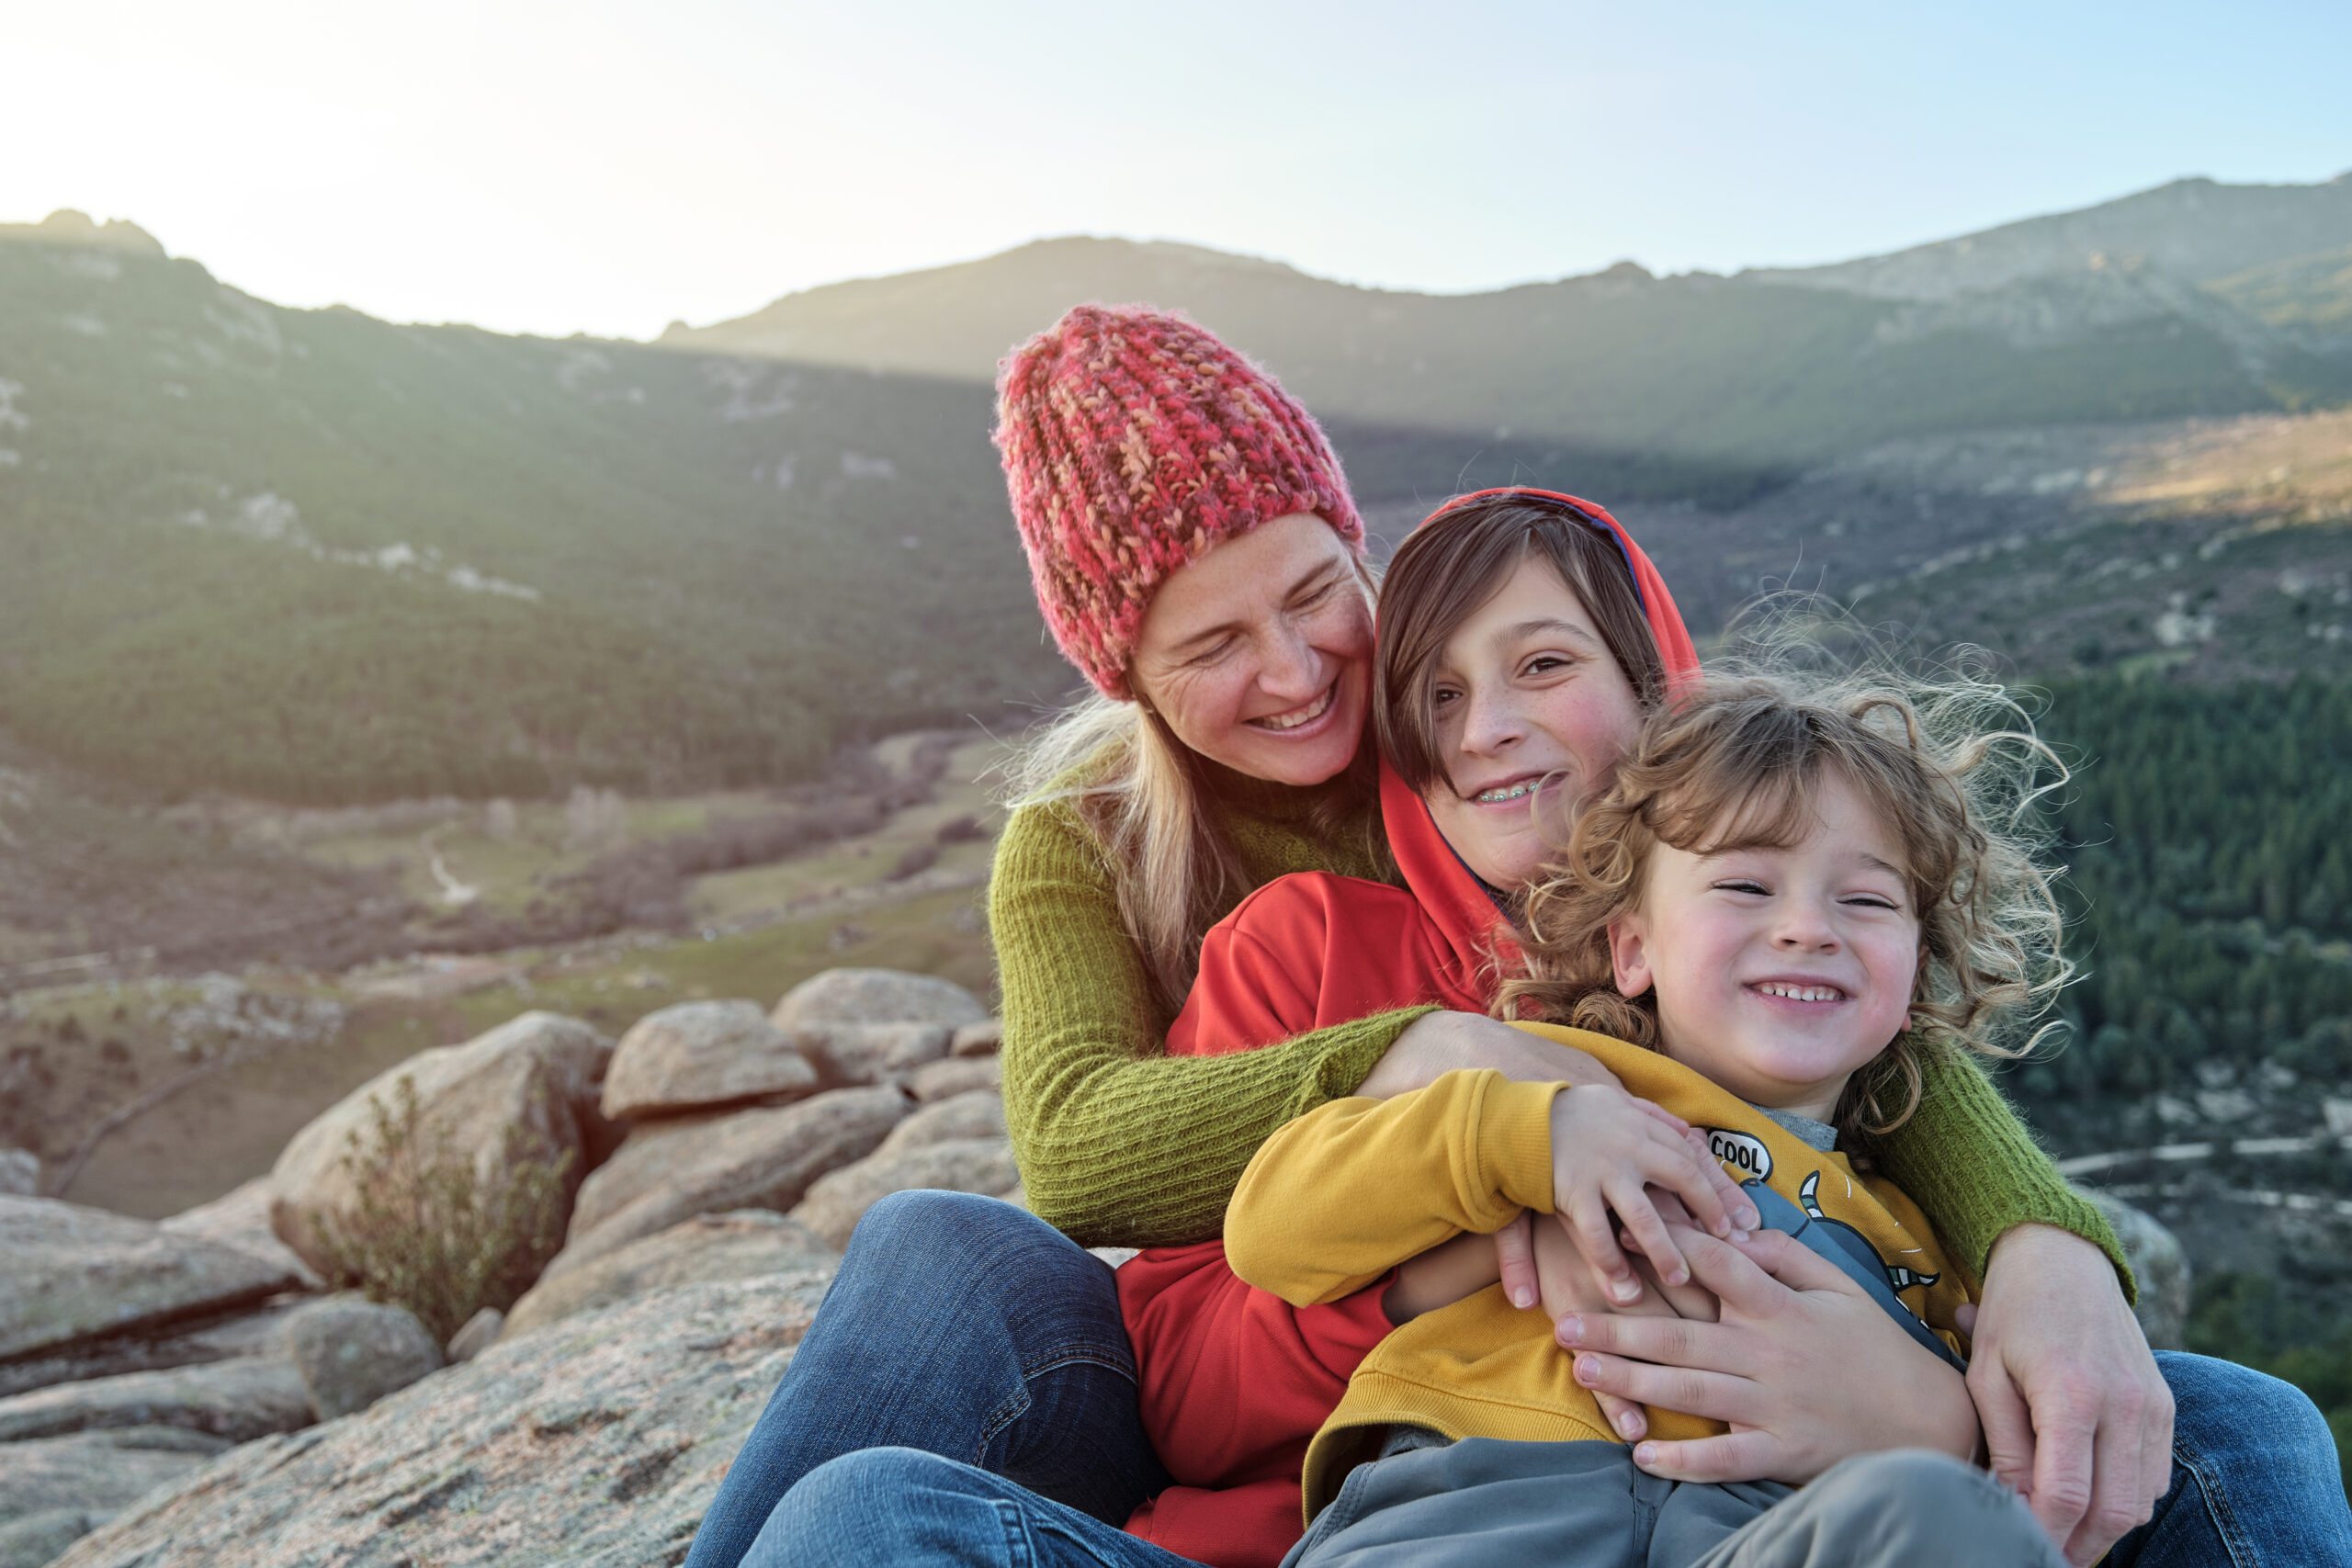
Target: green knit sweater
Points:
(1121, 1144)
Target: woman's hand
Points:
(1805, 1369)
(2076, 1417)
(1440, 1043)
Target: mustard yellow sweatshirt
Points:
(1346, 1191)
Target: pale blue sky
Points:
(546, 166)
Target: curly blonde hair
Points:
(1953, 767)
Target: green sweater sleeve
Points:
(1975, 1170)
(1119, 1144)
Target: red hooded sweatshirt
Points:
(1233, 1380)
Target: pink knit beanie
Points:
(1133, 440)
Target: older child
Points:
(1786, 888)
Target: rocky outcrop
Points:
(538, 1078)
(836, 1203)
(671, 1170)
(2160, 1266)
(19, 1173)
(739, 1246)
(478, 1334)
(236, 1401)
(978, 1113)
(54, 1491)
(982, 1039)
(878, 996)
(351, 1352)
(239, 1218)
(185, 1343)
(74, 1274)
(873, 1025)
(599, 1439)
(959, 1075)
(703, 1054)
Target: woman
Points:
(1196, 554)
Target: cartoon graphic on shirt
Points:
(1847, 1248)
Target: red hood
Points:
(1453, 898)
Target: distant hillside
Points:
(312, 556)
(2091, 316)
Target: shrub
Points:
(427, 1233)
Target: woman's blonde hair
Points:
(1951, 766)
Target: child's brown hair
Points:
(1953, 767)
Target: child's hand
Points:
(1606, 1147)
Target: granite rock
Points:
(185, 1344)
(878, 996)
(671, 1170)
(703, 1053)
(737, 1246)
(352, 1352)
(478, 1334)
(239, 1400)
(2160, 1266)
(836, 1203)
(19, 1173)
(982, 1039)
(958, 1075)
(239, 1218)
(74, 1273)
(872, 1052)
(55, 1490)
(541, 1073)
(976, 1113)
(596, 1440)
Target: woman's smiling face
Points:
(1531, 714)
(1258, 654)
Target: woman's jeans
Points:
(967, 1328)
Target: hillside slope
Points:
(2087, 317)
(317, 557)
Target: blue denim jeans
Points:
(960, 1326)
(964, 1327)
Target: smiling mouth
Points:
(1300, 717)
(1503, 794)
(1787, 992)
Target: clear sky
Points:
(591, 165)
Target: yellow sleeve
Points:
(1344, 1193)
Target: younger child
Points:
(1789, 893)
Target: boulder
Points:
(37, 1538)
(478, 1334)
(19, 1173)
(836, 1203)
(943, 1080)
(978, 1113)
(738, 1246)
(2160, 1266)
(352, 1352)
(985, 1038)
(878, 996)
(74, 1273)
(185, 1343)
(701, 1054)
(239, 1218)
(237, 1401)
(871, 1052)
(541, 1074)
(671, 1170)
(599, 1439)
(55, 1490)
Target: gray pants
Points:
(1584, 1506)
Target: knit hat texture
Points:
(1133, 442)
